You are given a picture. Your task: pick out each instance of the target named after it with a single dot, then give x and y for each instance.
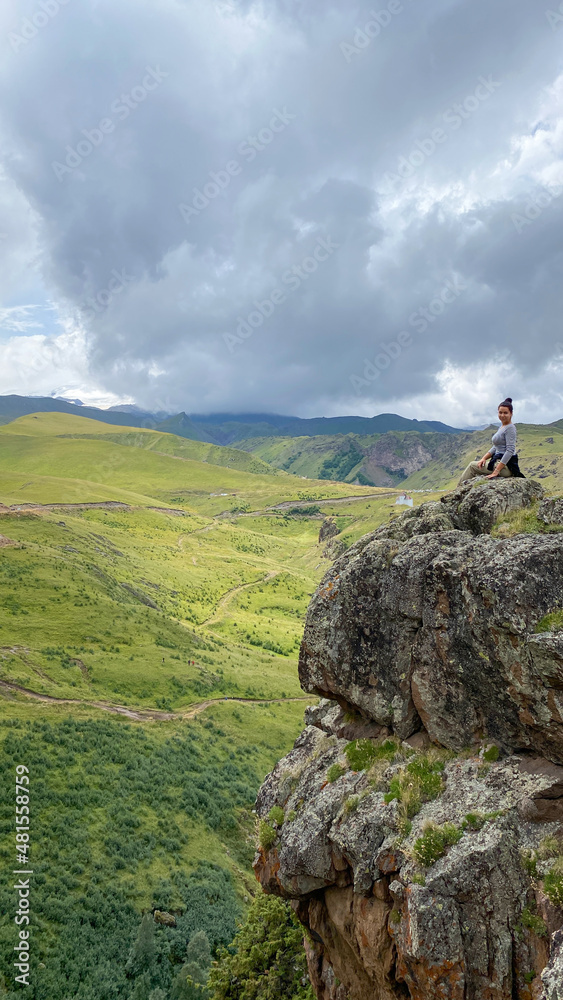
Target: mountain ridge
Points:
(219, 428)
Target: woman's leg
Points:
(471, 471)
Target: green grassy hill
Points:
(149, 629)
(144, 464)
(376, 460)
(81, 428)
(217, 428)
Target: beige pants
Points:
(473, 470)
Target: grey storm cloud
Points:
(185, 161)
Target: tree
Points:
(142, 987)
(269, 959)
(142, 953)
(199, 950)
(191, 981)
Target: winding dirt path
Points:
(145, 714)
(228, 596)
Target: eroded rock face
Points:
(422, 635)
(372, 927)
(552, 976)
(429, 623)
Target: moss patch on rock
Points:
(551, 623)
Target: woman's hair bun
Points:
(508, 399)
(507, 402)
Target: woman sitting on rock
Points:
(503, 458)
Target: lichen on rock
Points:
(419, 800)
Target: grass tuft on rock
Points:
(523, 522)
(553, 885)
(550, 847)
(533, 922)
(476, 820)
(419, 782)
(276, 815)
(335, 772)
(434, 842)
(529, 860)
(267, 835)
(361, 754)
(351, 804)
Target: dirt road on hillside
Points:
(143, 714)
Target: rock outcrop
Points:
(417, 824)
(327, 530)
(429, 623)
(551, 510)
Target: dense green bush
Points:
(108, 804)
(266, 960)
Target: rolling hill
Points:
(152, 594)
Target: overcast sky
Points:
(295, 206)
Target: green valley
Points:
(152, 594)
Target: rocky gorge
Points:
(417, 824)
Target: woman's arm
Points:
(510, 444)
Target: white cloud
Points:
(19, 319)
(38, 365)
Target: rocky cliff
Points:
(417, 825)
